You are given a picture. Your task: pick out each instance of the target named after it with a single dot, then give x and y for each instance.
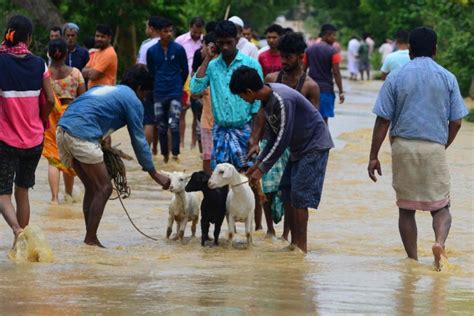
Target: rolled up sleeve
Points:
(385, 104)
(198, 85)
(137, 136)
(457, 108)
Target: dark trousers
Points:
(167, 114)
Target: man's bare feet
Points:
(166, 158)
(270, 235)
(154, 151)
(17, 233)
(438, 252)
(93, 242)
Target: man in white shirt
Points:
(149, 120)
(243, 45)
(386, 48)
(153, 38)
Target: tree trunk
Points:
(44, 12)
(127, 45)
(471, 90)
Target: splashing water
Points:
(31, 246)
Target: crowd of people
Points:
(264, 110)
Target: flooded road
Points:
(356, 262)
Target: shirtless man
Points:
(292, 47)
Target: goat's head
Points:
(222, 175)
(198, 181)
(178, 180)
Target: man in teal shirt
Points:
(398, 58)
(232, 115)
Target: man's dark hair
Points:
(275, 28)
(225, 29)
(402, 37)
(247, 26)
(211, 26)
(287, 30)
(365, 35)
(209, 38)
(245, 78)
(164, 23)
(154, 21)
(423, 42)
(56, 29)
(292, 43)
(197, 21)
(19, 28)
(326, 29)
(104, 29)
(89, 42)
(138, 76)
(57, 48)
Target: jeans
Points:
(167, 114)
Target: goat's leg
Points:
(231, 225)
(193, 226)
(204, 230)
(217, 230)
(182, 227)
(170, 226)
(248, 229)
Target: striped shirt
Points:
(292, 121)
(21, 80)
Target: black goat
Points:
(213, 206)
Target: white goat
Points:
(184, 206)
(240, 202)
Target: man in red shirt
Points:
(270, 59)
(323, 61)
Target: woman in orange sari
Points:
(68, 84)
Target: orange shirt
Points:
(104, 61)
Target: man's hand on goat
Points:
(254, 174)
(253, 148)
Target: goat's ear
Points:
(187, 177)
(227, 172)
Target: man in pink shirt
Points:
(191, 41)
(270, 60)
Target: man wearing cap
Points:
(77, 56)
(243, 45)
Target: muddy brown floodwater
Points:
(356, 262)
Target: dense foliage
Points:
(452, 19)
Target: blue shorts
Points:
(326, 104)
(302, 181)
(149, 110)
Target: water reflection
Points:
(354, 265)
